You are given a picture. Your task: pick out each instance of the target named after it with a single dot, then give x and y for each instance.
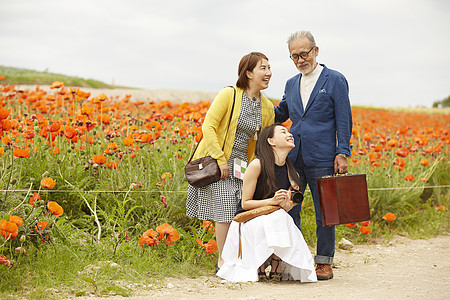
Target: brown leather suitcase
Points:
(343, 199)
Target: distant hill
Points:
(20, 76)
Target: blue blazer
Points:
(323, 129)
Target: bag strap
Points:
(231, 115)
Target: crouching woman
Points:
(271, 239)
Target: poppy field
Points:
(88, 180)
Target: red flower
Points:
(424, 162)
(48, 183)
(149, 238)
(409, 177)
(389, 217)
(16, 219)
(164, 201)
(35, 197)
(22, 153)
(365, 230)
(441, 208)
(99, 159)
(166, 230)
(351, 225)
(55, 208)
(210, 246)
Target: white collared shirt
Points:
(307, 84)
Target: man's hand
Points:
(340, 165)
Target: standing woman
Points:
(252, 112)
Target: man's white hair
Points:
(301, 34)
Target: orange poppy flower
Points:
(166, 176)
(55, 208)
(55, 126)
(111, 165)
(389, 217)
(57, 84)
(8, 229)
(41, 226)
(28, 135)
(16, 219)
(149, 238)
(441, 208)
(409, 177)
(167, 231)
(424, 162)
(4, 113)
(56, 151)
(365, 230)
(154, 125)
(3, 260)
(99, 159)
(128, 141)
(7, 140)
(23, 153)
(402, 152)
(366, 223)
(48, 183)
(2, 151)
(210, 246)
(351, 225)
(6, 125)
(69, 132)
(35, 197)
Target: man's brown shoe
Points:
(324, 272)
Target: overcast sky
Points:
(392, 52)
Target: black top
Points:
(281, 174)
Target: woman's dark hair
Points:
(248, 63)
(266, 156)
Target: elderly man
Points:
(316, 100)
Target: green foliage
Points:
(444, 103)
(19, 76)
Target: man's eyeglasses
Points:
(303, 55)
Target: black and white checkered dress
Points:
(219, 201)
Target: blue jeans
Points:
(325, 235)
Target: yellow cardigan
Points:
(216, 122)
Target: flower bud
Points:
(23, 238)
(20, 250)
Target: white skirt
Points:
(261, 237)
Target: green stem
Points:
(25, 199)
(10, 175)
(93, 211)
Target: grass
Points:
(93, 249)
(19, 76)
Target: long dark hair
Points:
(264, 152)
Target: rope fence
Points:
(156, 191)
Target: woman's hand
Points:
(280, 197)
(283, 199)
(224, 171)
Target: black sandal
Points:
(275, 269)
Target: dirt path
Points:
(402, 269)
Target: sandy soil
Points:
(175, 96)
(401, 269)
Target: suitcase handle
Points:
(338, 175)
